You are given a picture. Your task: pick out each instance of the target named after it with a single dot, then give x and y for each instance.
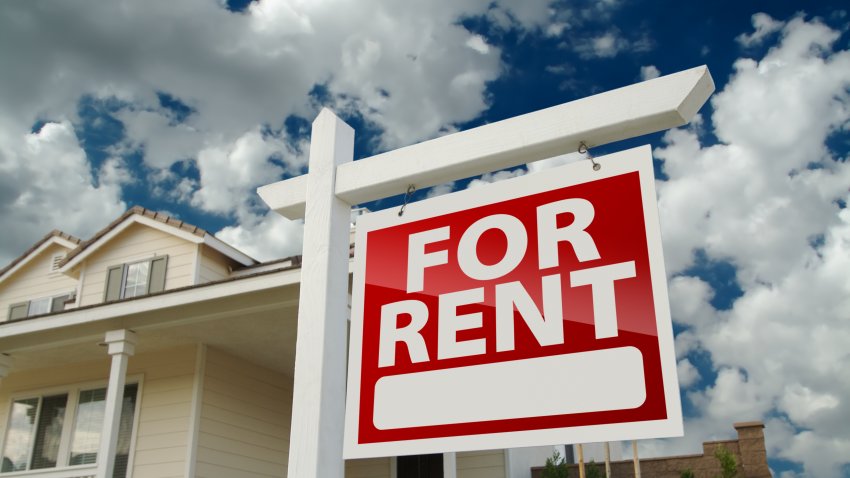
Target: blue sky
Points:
(187, 107)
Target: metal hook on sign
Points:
(410, 189)
(583, 149)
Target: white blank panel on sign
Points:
(610, 379)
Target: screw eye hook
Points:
(410, 190)
(583, 149)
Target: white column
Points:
(122, 345)
(318, 399)
(450, 465)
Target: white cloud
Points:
(265, 237)
(46, 183)
(230, 173)
(764, 25)
(765, 200)
(688, 374)
(609, 44)
(649, 72)
(410, 69)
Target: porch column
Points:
(122, 345)
(450, 465)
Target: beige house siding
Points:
(137, 243)
(481, 464)
(244, 421)
(368, 468)
(165, 401)
(214, 265)
(35, 281)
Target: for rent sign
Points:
(526, 312)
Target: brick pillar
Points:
(753, 451)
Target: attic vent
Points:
(54, 262)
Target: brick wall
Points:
(748, 449)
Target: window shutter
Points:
(58, 304)
(18, 311)
(113, 283)
(157, 274)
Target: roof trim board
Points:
(55, 237)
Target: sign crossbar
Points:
(647, 107)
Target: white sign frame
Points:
(637, 159)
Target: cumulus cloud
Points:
(765, 25)
(408, 69)
(265, 237)
(609, 44)
(649, 72)
(46, 183)
(769, 198)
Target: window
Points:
(43, 305)
(420, 466)
(135, 279)
(35, 438)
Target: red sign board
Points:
(526, 312)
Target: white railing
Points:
(81, 471)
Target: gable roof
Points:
(156, 220)
(53, 237)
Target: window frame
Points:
(70, 418)
(124, 267)
(51, 298)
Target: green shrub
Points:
(556, 467)
(728, 464)
(687, 474)
(592, 470)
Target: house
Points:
(159, 346)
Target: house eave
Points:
(89, 321)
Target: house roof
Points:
(158, 220)
(55, 236)
(158, 216)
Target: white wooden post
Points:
(635, 458)
(450, 465)
(607, 460)
(580, 460)
(318, 406)
(121, 346)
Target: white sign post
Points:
(316, 443)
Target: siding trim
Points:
(23, 261)
(80, 281)
(195, 412)
(140, 390)
(196, 266)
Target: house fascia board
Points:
(91, 315)
(49, 242)
(134, 219)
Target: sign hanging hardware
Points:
(410, 189)
(583, 149)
